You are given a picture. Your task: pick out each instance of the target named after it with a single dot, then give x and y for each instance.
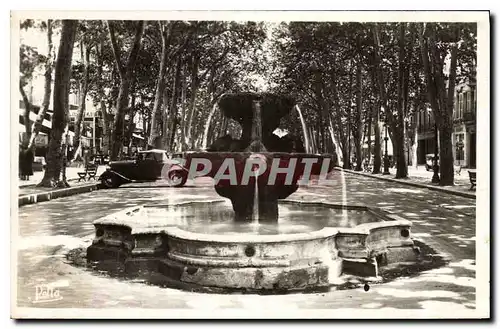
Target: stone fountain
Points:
(259, 115)
(158, 238)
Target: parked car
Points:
(146, 167)
(429, 162)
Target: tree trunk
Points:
(345, 156)
(192, 101)
(446, 152)
(335, 146)
(174, 120)
(131, 126)
(223, 126)
(26, 115)
(165, 120)
(399, 135)
(83, 95)
(119, 121)
(377, 147)
(441, 99)
(126, 77)
(106, 129)
(37, 126)
(339, 127)
(182, 137)
(145, 127)
(446, 155)
(357, 133)
(131, 114)
(369, 133)
(55, 154)
(156, 124)
(414, 148)
(207, 127)
(148, 130)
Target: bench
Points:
(472, 177)
(90, 171)
(367, 167)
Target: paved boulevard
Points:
(447, 223)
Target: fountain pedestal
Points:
(259, 115)
(243, 199)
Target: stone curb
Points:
(430, 187)
(54, 194)
(35, 184)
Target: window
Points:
(474, 100)
(471, 101)
(460, 105)
(466, 102)
(459, 147)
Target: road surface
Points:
(447, 223)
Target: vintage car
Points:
(147, 166)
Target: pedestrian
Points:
(86, 157)
(30, 158)
(26, 158)
(22, 157)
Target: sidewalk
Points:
(419, 177)
(71, 175)
(29, 193)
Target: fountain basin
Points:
(308, 257)
(278, 175)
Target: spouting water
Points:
(304, 129)
(332, 135)
(345, 215)
(255, 209)
(207, 126)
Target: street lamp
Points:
(386, 154)
(435, 176)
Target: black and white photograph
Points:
(279, 165)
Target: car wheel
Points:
(110, 182)
(178, 175)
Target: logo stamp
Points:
(45, 293)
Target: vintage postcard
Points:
(245, 164)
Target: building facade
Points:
(91, 125)
(426, 132)
(464, 126)
(91, 129)
(464, 129)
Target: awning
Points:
(22, 129)
(137, 136)
(33, 117)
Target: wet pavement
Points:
(445, 222)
